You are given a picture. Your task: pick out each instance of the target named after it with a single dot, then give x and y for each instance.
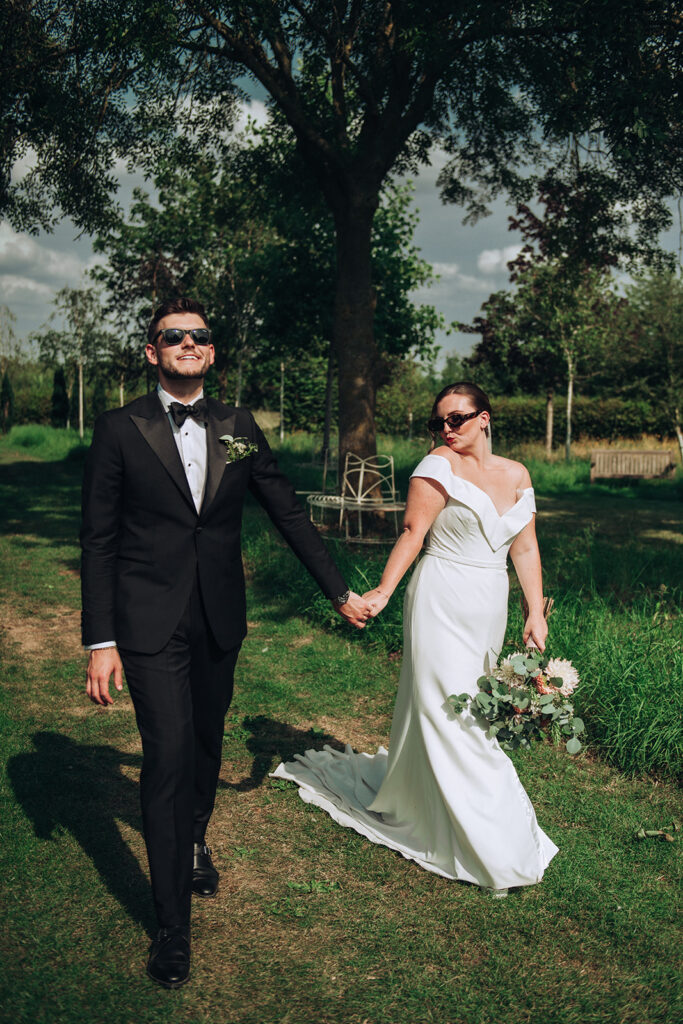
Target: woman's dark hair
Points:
(181, 305)
(479, 398)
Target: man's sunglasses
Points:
(176, 335)
(454, 421)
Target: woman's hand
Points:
(535, 632)
(377, 600)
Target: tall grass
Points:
(42, 442)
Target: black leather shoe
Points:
(204, 874)
(169, 957)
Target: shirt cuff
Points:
(99, 647)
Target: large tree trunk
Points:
(549, 417)
(353, 333)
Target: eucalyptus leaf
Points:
(573, 745)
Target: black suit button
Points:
(197, 530)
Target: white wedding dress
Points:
(444, 795)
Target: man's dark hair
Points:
(181, 305)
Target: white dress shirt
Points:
(190, 440)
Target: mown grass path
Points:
(312, 924)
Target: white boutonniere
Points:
(238, 447)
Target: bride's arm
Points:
(426, 498)
(526, 559)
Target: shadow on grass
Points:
(79, 788)
(43, 499)
(273, 741)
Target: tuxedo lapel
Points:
(154, 426)
(216, 452)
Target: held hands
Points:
(101, 665)
(377, 600)
(357, 611)
(535, 632)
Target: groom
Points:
(163, 596)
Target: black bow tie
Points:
(199, 411)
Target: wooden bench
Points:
(611, 464)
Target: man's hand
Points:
(101, 665)
(356, 610)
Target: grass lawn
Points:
(314, 925)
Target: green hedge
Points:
(519, 419)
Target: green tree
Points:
(548, 332)
(59, 408)
(367, 89)
(244, 234)
(9, 348)
(645, 355)
(79, 345)
(6, 404)
(551, 330)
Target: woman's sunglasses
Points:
(454, 421)
(176, 335)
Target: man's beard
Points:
(198, 373)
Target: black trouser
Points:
(180, 697)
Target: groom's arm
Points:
(101, 522)
(102, 499)
(274, 491)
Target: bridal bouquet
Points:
(525, 697)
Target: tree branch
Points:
(281, 85)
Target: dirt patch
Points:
(363, 734)
(55, 634)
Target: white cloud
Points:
(452, 280)
(23, 257)
(256, 111)
(16, 288)
(494, 261)
(21, 167)
(447, 270)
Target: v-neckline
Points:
(464, 480)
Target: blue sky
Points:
(470, 261)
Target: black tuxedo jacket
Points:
(143, 541)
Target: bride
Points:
(444, 795)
